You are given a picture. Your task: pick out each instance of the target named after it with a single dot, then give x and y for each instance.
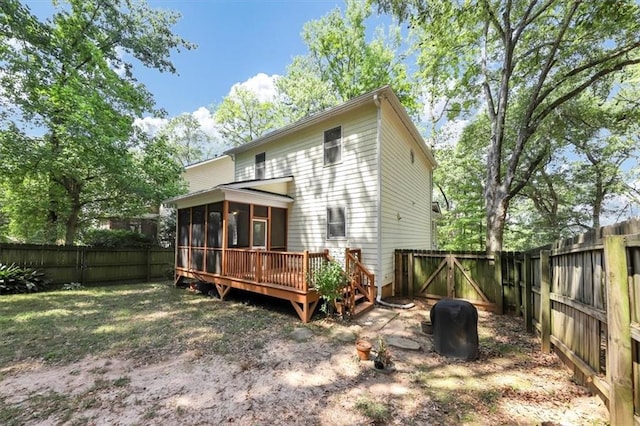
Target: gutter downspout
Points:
(379, 301)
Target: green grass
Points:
(376, 411)
(139, 321)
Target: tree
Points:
(242, 117)
(459, 178)
(342, 64)
(302, 91)
(189, 141)
(71, 76)
(524, 59)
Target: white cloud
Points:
(261, 84)
(207, 123)
(150, 125)
(153, 125)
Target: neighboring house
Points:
(357, 176)
(209, 173)
(146, 224)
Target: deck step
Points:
(361, 308)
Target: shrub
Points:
(116, 238)
(15, 280)
(329, 280)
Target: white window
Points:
(336, 222)
(260, 165)
(333, 146)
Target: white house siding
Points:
(209, 173)
(406, 193)
(351, 183)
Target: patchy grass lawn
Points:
(154, 354)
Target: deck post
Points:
(305, 270)
(619, 352)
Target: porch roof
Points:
(241, 191)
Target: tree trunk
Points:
(74, 214)
(496, 209)
(51, 225)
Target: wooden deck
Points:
(284, 275)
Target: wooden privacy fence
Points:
(88, 265)
(585, 294)
(490, 282)
(581, 295)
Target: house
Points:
(352, 183)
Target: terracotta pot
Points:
(364, 349)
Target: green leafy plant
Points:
(72, 286)
(329, 280)
(14, 280)
(383, 355)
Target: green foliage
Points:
(243, 117)
(522, 60)
(15, 280)
(189, 141)
(376, 411)
(116, 238)
(329, 280)
(383, 354)
(342, 63)
(71, 75)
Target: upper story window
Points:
(260, 165)
(333, 146)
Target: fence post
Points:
(516, 278)
(148, 254)
(528, 293)
(545, 301)
(497, 274)
(397, 282)
(83, 265)
(619, 357)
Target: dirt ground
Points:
(311, 376)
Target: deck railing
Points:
(289, 269)
(362, 281)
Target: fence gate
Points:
(476, 277)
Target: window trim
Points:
(328, 223)
(260, 166)
(339, 144)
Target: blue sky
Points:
(237, 39)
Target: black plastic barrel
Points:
(455, 329)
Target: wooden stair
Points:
(362, 308)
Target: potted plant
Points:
(382, 361)
(363, 348)
(329, 280)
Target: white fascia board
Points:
(254, 197)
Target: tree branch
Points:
(576, 91)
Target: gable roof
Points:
(372, 97)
